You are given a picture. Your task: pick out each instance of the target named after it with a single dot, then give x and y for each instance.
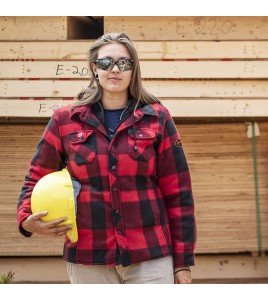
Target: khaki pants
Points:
(153, 271)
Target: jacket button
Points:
(119, 232)
(113, 167)
(114, 189)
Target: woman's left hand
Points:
(183, 277)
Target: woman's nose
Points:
(115, 68)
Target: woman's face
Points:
(114, 81)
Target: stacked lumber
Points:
(18, 143)
(212, 75)
(221, 164)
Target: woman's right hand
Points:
(33, 224)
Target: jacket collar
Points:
(87, 112)
(148, 109)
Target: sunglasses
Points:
(106, 64)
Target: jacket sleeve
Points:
(48, 158)
(175, 184)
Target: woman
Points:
(135, 212)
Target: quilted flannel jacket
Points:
(136, 201)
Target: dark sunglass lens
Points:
(105, 64)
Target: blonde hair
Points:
(93, 92)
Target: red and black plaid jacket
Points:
(136, 200)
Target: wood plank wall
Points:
(202, 69)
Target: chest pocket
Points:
(83, 146)
(140, 145)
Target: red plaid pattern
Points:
(136, 199)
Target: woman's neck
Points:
(114, 101)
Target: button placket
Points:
(115, 192)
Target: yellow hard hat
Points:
(55, 193)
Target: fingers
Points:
(34, 224)
(58, 230)
(54, 227)
(38, 216)
(56, 222)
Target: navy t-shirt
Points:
(113, 118)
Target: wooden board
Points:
(40, 28)
(41, 88)
(208, 88)
(189, 28)
(33, 28)
(31, 108)
(152, 50)
(202, 89)
(220, 160)
(222, 268)
(179, 108)
(149, 69)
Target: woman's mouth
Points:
(114, 79)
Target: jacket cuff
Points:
(22, 230)
(185, 259)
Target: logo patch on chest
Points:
(178, 143)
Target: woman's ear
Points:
(93, 68)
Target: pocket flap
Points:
(142, 133)
(79, 136)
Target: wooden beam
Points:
(208, 88)
(77, 50)
(30, 108)
(225, 268)
(202, 50)
(217, 108)
(189, 28)
(33, 28)
(149, 69)
(41, 88)
(178, 108)
(41, 28)
(160, 88)
(230, 266)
